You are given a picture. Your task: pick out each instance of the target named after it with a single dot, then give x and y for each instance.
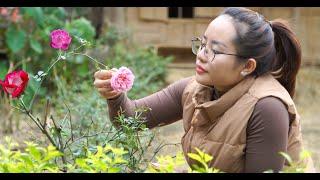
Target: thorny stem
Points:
(36, 93)
(84, 136)
(44, 131)
(46, 114)
(71, 128)
(58, 58)
(97, 62)
(77, 48)
(64, 161)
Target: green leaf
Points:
(114, 170)
(83, 70)
(35, 45)
(287, 157)
(15, 38)
(195, 157)
(120, 161)
(4, 69)
(36, 13)
(118, 151)
(101, 166)
(35, 152)
(60, 12)
(82, 28)
(26, 158)
(82, 163)
(52, 153)
(205, 157)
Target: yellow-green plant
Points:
(167, 164)
(36, 159)
(33, 159)
(106, 159)
(203, 159)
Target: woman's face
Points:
(222, 72)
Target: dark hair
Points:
(273, 45)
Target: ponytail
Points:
(288, 55)
(273, 45)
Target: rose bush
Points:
(89, 126)
(15, 83)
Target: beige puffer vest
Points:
(218, 127)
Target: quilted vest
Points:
(218, 127)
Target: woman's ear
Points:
(249, 67)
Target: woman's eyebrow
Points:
(215, 42)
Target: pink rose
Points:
(15, 83)
(122, 80)
(15, 17)
(60, 39)
(3, 11)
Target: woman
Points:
(238, 107)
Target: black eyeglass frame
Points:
(195, 51)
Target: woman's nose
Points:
(202, 55)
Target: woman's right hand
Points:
(103, 85)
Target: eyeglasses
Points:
(197, 45)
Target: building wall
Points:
(151, 26)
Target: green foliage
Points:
(82, 28)
(36, 159)
(79, 123)
(4, 69)
(203, 159)
(167, 164)
(33, 159)
(27, 42)
(35, 13)
(133, 135)
(15, 38)
(105, 159)
(36, 46)
(88, 124)
(28, 47)
(82, 117)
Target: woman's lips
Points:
(200, 70)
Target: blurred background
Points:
(153, 41)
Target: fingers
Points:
(105, 90)
(102, 84)
(107, 93)
(103, 74)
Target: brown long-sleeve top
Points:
(267, 130)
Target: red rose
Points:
(15, 83)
